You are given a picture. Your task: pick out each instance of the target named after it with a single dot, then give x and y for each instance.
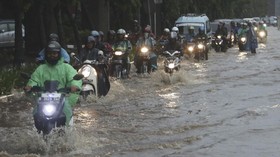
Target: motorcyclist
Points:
(56, 69)
(111, 37)
(173, 43)
(202, 37)
(190, 35)
(124, 45)
(99, 44)
(148, 41)
(64, 54)
(262, 27)
(242, 30)
(89, 52)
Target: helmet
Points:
(101, 33)
(175, 29)
(166, 30)
(121, 31)
(94, 33)
(90, 39)
(53, 48)
(53, 37)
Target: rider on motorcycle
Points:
(89, 52)
(262, 27)
(201, 36)
(190, 35)
(122, 44)
(173, 43)
(56, 69)
(148, 41)
(165, 35)
(64, 54)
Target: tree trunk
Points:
(19, 52)
(75, 30)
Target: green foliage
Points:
(10, 78)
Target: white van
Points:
(186, 21)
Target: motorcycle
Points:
(49, 104)
(144, 60)
(189, 49)
(219, 44)
(96, 80)
(200, 52)
(118, 66)
(262, 36)
(172, 61)
(242, 43)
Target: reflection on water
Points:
(242, 56)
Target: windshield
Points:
(185, 29)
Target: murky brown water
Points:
(226, 106)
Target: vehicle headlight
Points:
(118, 53)
(200, 46)
(255, 28)
(49, 109)
(190, 48)
(86, 71)
(243, 39)
(219, 37)
(264, 25)
(144, 49)
(262, 34)
(171, 65)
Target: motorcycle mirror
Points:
(72, 54)
(78, 77)
(25, 75)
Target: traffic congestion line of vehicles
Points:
(192, 37)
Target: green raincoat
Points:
(63, 73)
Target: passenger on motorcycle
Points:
(242, 30)
(165, 35)
(123, 45)
(64, 54)
(56, 69)
(148, 41)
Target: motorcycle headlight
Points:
(171, 65)
(144, 49)
(190, 48)
(86, 71)
(118, 53)
(255, 28)
(243, 39)
(200, 46)
(219, 37)
(262, 34)
(264, 25)
(49, 109)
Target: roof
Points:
(191, 19)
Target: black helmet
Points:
(53, 48)
(53, 37)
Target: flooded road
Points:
(226, 106)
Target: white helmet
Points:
(121, 31)
(175, 29)
(166, 30)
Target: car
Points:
(7, 33)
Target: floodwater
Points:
(226, 106)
